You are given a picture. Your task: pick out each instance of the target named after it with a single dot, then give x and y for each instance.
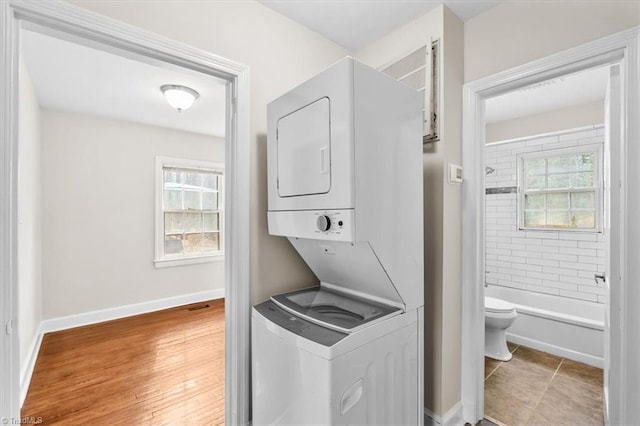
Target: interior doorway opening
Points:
(545, 245)
(101, 153)
(74, 23)
(619, 52)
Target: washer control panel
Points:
(323, 222)
(335, 225)
(330, 222)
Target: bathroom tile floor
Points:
(536, 388)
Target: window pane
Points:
(192, 243)
(192, 199)
(558, 218)
(585, 162)
(534, 201)
(583, 200)
(558, 201)
(561, 164)
(209, 200)
(536, 182)
(172, 176)
(192, 222)
(172, 199)
(211, 222)
(583, 180)
(534, 218)
(173, 223)
(210, 181)
(584, 219)
(560, 181)
(193, 179)
(535, 167)
(173, 244)
(211, 242)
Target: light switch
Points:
(455, 173)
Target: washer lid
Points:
(492, 304)
(334, 310)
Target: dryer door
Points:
(304, 156)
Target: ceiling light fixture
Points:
(179, 97)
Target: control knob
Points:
(323, 223)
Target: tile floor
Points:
(536, 388)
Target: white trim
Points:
(623, 48)
(161, 260)
(109, 314)
(544, 135)
(453, 417)
(9, 350)
(556, 350)
(183, 261)
(27, 370)
(69, 21)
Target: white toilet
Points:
(498, 316)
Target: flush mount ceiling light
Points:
(179, 97)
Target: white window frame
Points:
(584, 149)
(161, 260)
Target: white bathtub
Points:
(569, 328)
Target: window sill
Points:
(183, 261)
(576, 230)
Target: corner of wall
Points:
(29, 218)
(452, 80)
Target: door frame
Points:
(623, 48)
(74, 22)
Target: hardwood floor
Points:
(162, 368)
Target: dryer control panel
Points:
(333, 225)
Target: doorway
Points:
(545, 249)
(617, 52)
(73, 23)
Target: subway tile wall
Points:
(552, 262)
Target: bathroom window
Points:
(189, 211)
(561, 189)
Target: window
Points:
(189, 216)
(561, 189)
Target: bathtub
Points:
(569, 328)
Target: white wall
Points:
(561, 263)
(516, 32)
(29, 218)
(546, 122)
(442, 237)
(281, 54)
(98, 204)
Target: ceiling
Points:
(76, 78)
(575, 89)
(355, 23)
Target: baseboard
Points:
(453, 417)
(94, 317)
(27, 371)
(556, 350)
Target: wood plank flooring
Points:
(162, 368)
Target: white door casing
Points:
(624, 380)
(72, 22)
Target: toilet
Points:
(498, 316)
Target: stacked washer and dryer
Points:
(345, 187)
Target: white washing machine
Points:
(345, 187)
(334, 359)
